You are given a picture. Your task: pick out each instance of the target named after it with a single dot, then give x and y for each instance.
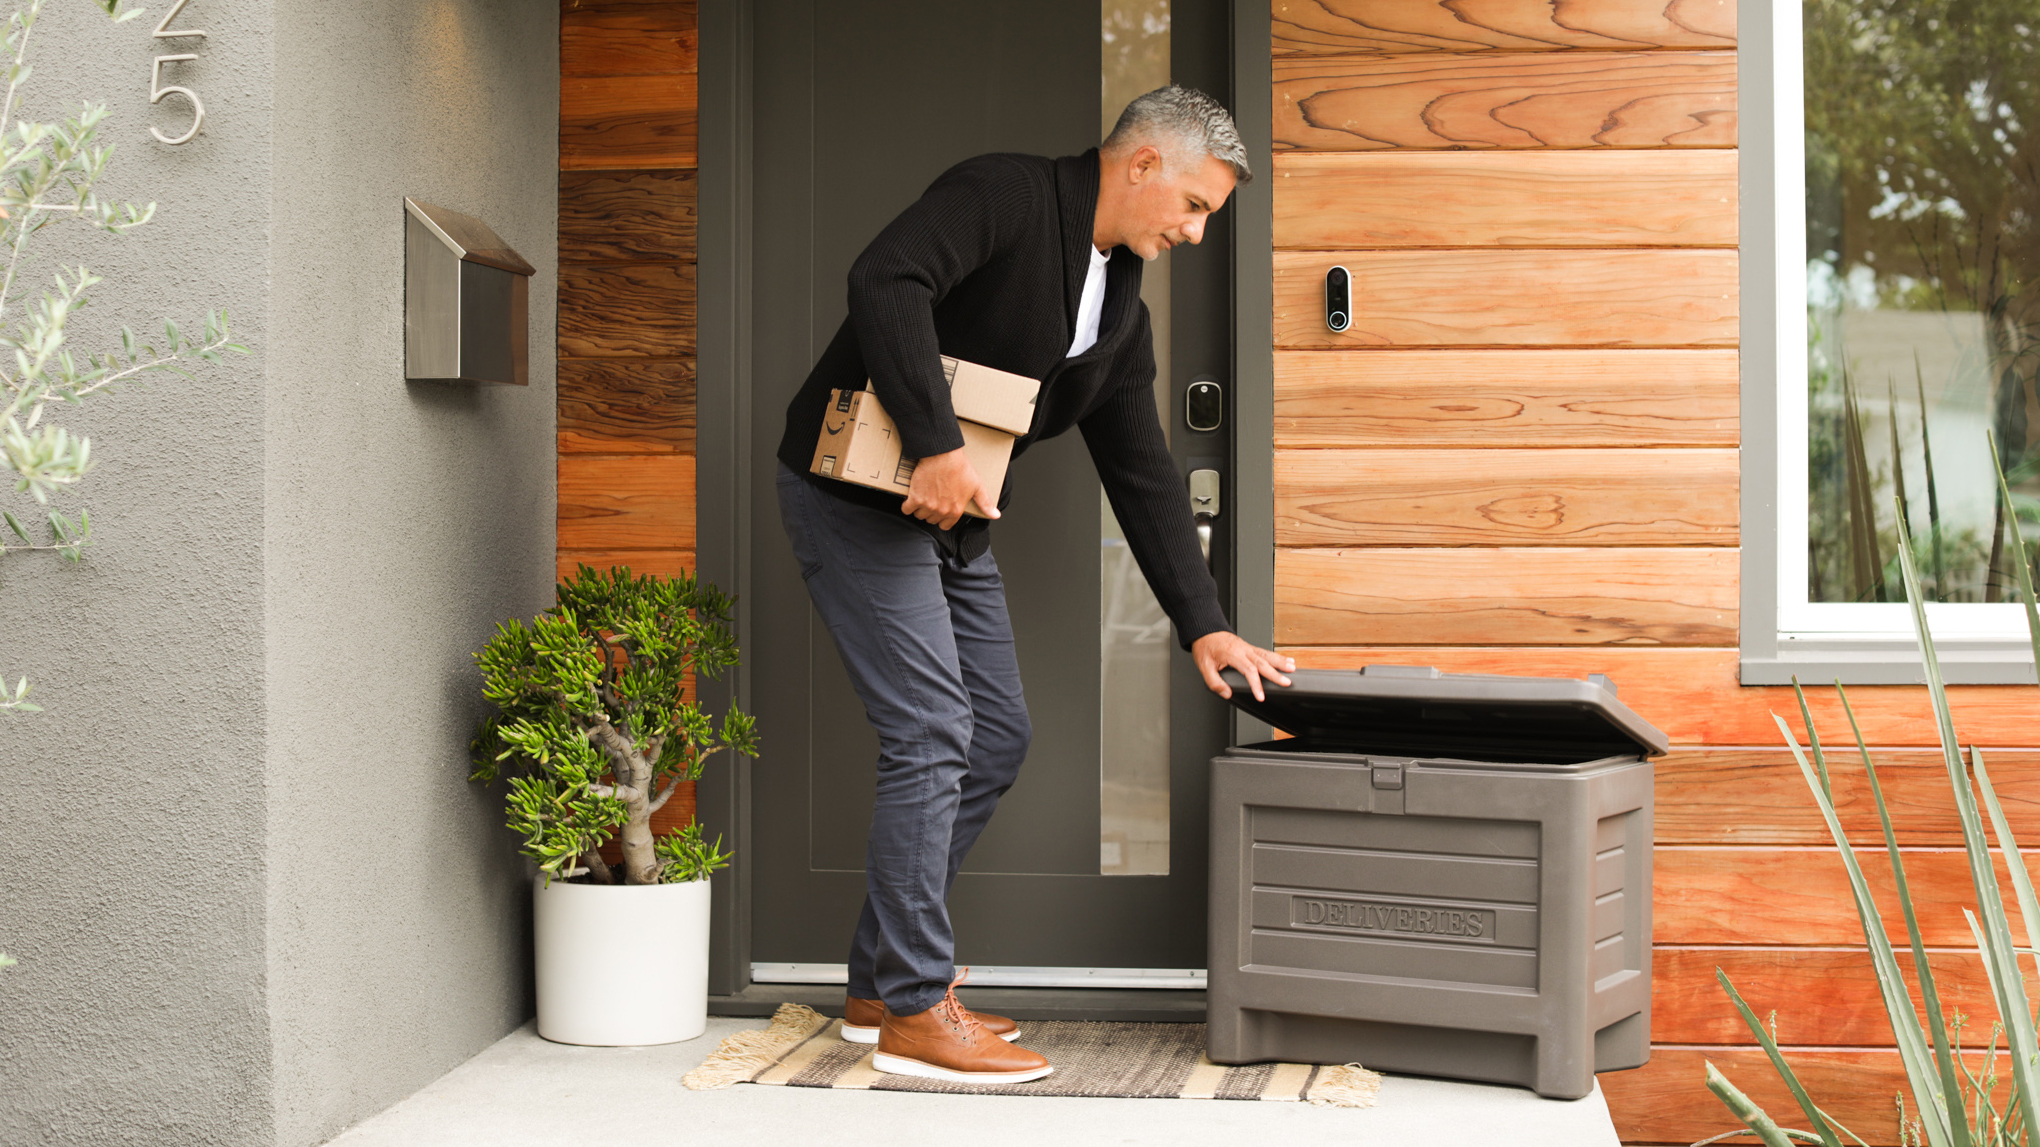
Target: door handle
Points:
(1204, 507)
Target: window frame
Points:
(1782, 634)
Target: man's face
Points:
(1168, 206)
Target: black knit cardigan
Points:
(988, 266)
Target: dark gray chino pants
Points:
(930, 649)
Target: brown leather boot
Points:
(861, 1019)
(947, 1042)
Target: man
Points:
(1032, 266)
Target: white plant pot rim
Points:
(556, 882)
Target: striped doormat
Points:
(804, 1048)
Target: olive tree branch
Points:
(159, 362)
(40, 162)
(15, 75)
(53, 547)
(21, 232)
(33, 392)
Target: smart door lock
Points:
(1338, 299)
(1203, 404)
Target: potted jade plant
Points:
(598, 734)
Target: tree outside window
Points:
(1923, 290)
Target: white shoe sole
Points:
(870, 1035)
(896, 1065)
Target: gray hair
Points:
(1186, 116)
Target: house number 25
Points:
(157, 89)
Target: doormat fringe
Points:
(747, 1053)
(803, 1048)
(1347, 1085)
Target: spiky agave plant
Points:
(1954, 1106)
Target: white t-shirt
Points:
(1090, 305)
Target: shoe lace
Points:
(959, 1017)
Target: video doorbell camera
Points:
(1338, 299)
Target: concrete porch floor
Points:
(524, 1091)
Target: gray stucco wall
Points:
(254, 895)
(400, 524)
(131, 812)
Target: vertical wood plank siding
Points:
(1521, 459)
(628, 125)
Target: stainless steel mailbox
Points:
(467, 300)
(1440, 874)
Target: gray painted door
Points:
(859, 104)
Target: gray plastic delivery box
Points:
(1440, 874)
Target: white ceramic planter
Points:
(619, 964)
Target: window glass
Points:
(1133, 749)
(1922, 290)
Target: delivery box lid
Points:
(1418, 711)
(989, 397)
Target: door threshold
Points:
(1006, 976)
(1129, 1005)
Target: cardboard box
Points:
(990, 397)
(860, 443)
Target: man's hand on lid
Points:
(1221, 650)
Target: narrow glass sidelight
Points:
(1923, 292)
(1134, 634)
